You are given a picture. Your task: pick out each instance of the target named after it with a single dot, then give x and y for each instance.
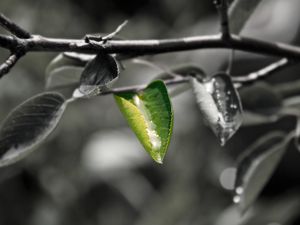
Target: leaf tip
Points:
(158, 159)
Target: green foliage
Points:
(149, 114)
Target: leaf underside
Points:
(256, 166)
(29, 124)
(98, 74)
(63, 70)
(149, 114)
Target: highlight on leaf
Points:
(219, 104)
(98, 75)
(256, 165)
(28, 125)
(149, 114)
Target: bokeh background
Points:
(93, 170)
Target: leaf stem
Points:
(137, 88)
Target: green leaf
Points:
(149, 114)
(28, 125)
(256, 166)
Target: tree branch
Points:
(8, 64)
(24, 42)
(147, 47)
(264, 72)
(7, 42)
(13, 28)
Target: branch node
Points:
(98, 37)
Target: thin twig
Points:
(222, 8)
(8, 64)
(137, 88)
(230, 61)
(115, 32)
(264, 72)
(13, 28)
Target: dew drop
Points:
(227, 178)
(239, 190)
(222, 141)
(236, 199)
(233, 106)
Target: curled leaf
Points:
(256, 166)
(28, 125)
(99, 74)
(219, 105)
(149, 114)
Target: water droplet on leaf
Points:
(239, 190)
(236, 199)
(256, 165)
(219, 104)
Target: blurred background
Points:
(93, 170)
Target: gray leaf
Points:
(253, 119)
(256, 166)
(219, 105)
(239, 13)
(28, 125)
(99, 74)
(65, 69)
(261, 98)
